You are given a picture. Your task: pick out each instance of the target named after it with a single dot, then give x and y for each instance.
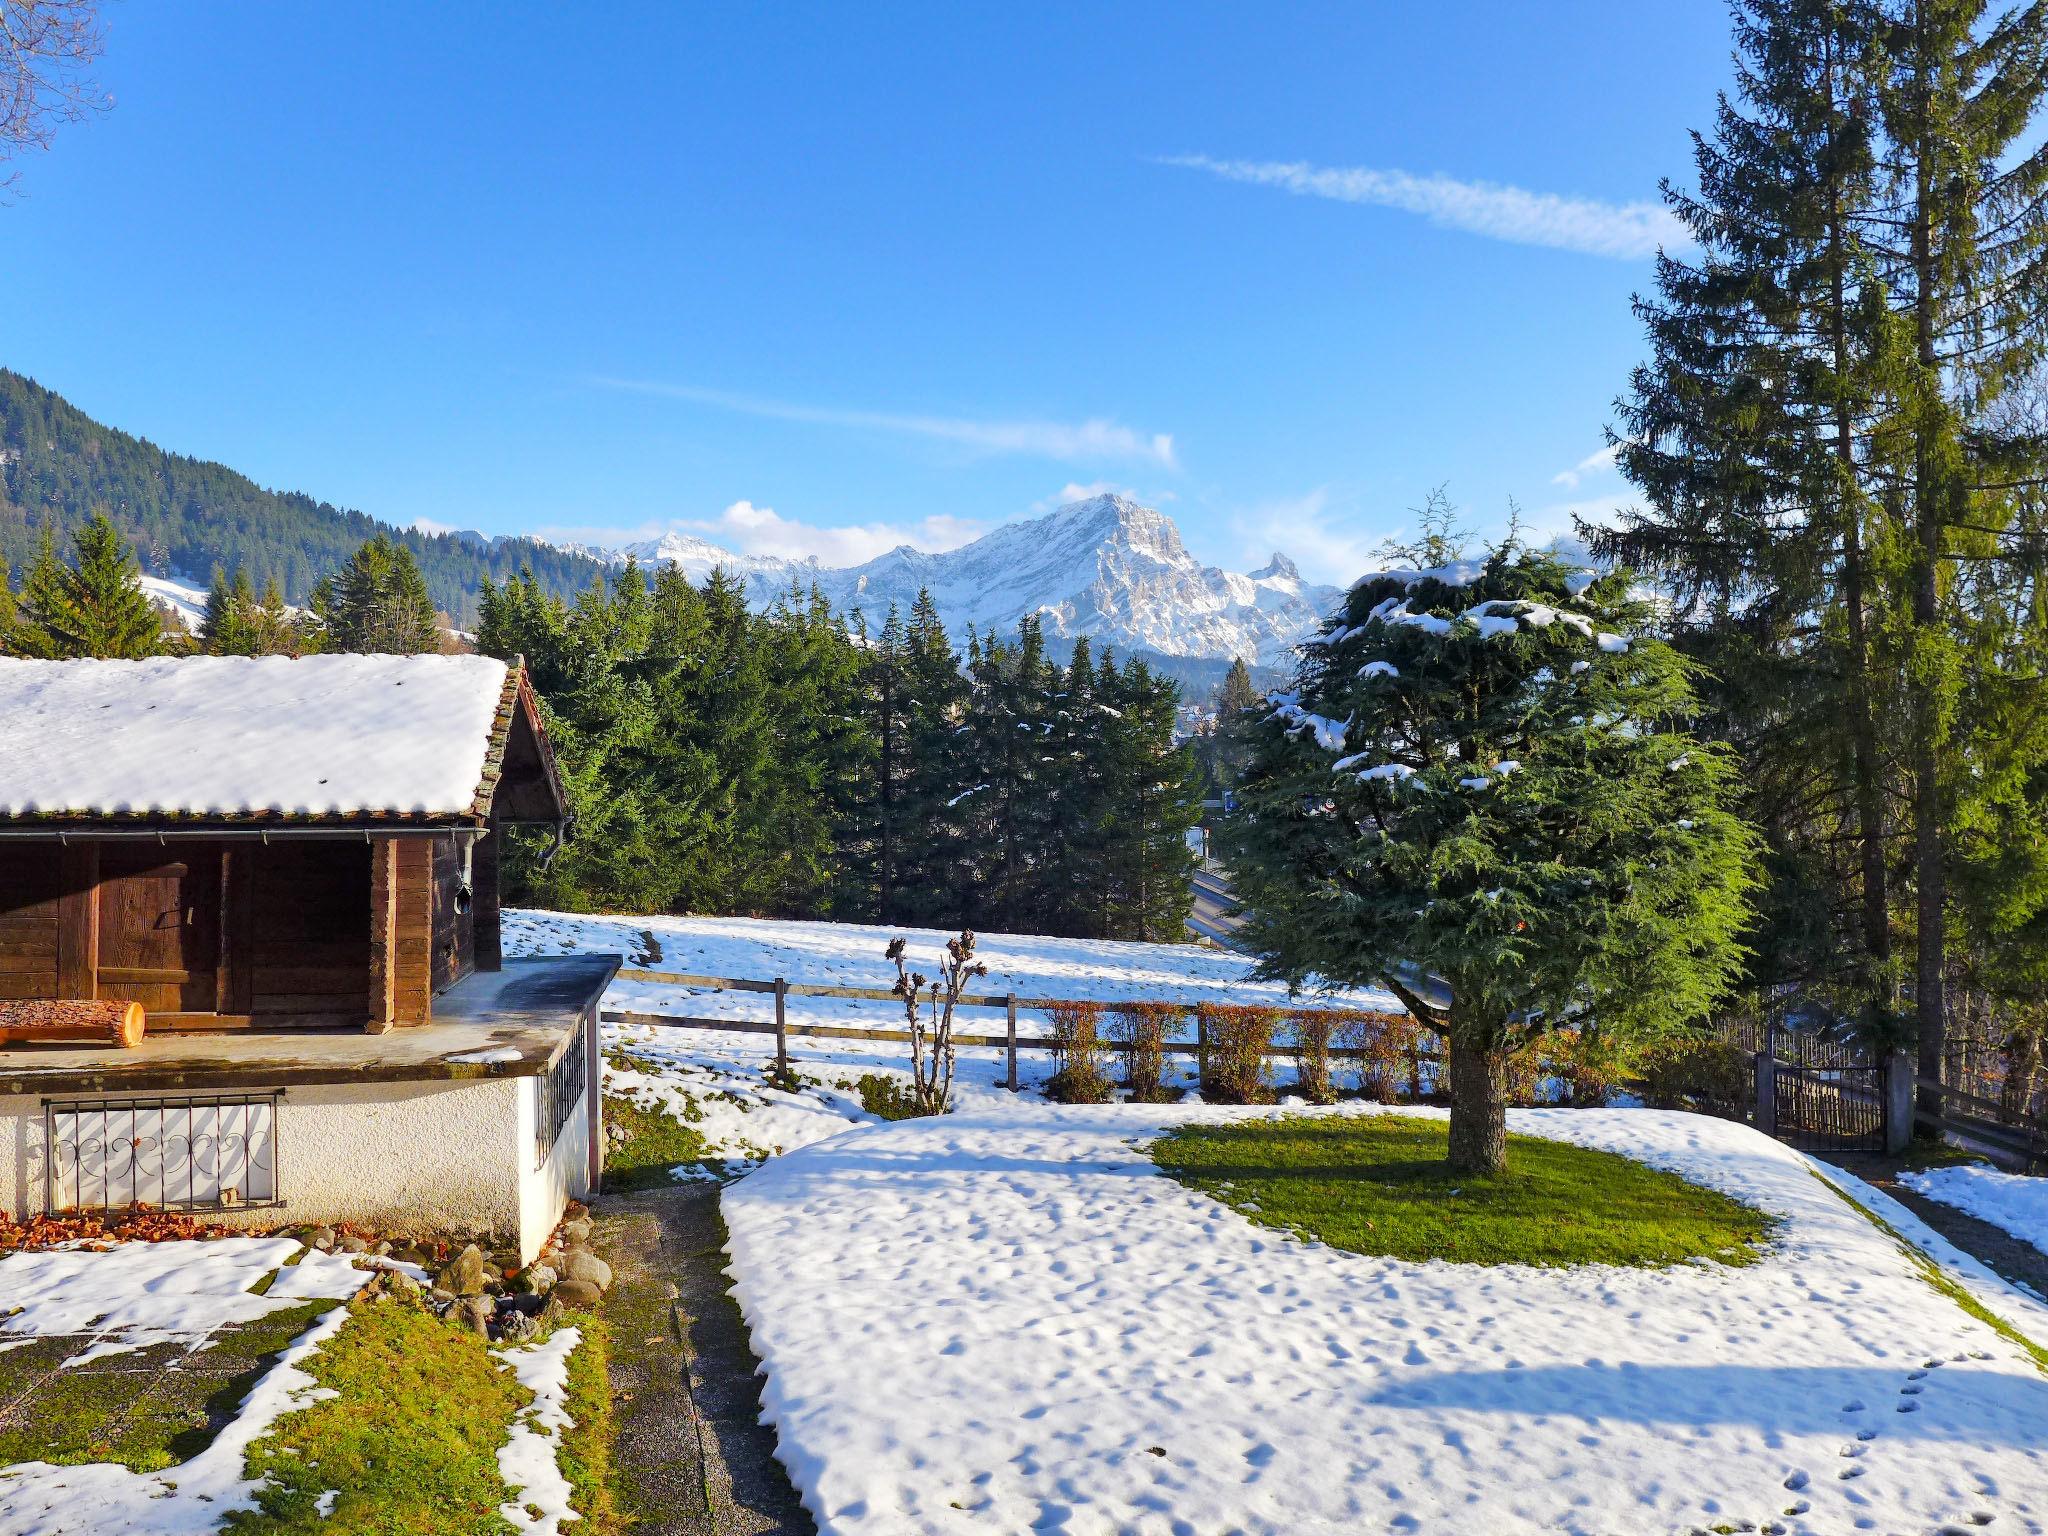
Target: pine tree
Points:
(1480, 793)
(94, 608)
(378, 603)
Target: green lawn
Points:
(1376, 1184)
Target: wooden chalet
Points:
(274, 857)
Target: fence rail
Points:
(1980, 1120)
(1011, 1003)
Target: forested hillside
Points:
(185, 516)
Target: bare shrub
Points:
(1077, 1076)
(1238, 1040)
(1140, 1030)
(931, 1043)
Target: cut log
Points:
(71, 1022)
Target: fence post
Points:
(1767, 1093)
(781, 1030)
(1012, 1004)
(1899, 1073)
(1201, 1051)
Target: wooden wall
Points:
(319, 933)
(30, 884)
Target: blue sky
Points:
(821, 278)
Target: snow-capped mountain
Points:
(1107, 568)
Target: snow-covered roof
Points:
(317, 737)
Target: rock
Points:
(576, 1230)
(582, 1264)
(576, 1293)
(515, 1326)
(440, 1298)
(399, 1283)
(352, 1244)
(465, 1277)
(475, 1313)
(537, 1279)
(323, 1239)
(381, 1248)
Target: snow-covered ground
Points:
(1010, 1320)
(2015, 1202)
(139, 1294)
(718, 1082)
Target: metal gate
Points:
(173, 1154)
(1829, 1096)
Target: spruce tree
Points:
(377, 603)
(1480, 792)
(1968, 204)
(96, 607)
(229, 627)
(937, 872)
(889, 728)
(1752, 432)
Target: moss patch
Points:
(1376, 1184)
(650, 1143)
(585, 1456)
(409, 1444)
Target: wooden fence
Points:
(1986, 1124)
(1011, 1003)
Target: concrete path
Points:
(693, 1457)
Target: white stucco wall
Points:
(400, 1158)
(565, 1176)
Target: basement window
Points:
(175, 1154)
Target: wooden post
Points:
(1899, 1072)
(1012, 1004)
(383, 936)
(1767, 1093)
(1201, 1053)
(781, 1030)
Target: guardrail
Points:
(1011, 1003)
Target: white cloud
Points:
(430, 527)
(1560, 518)
(1305, 530)
(747, 529)
(1592, 463)
(1087, 441)
(1625, 231)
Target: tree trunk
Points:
(1479, 1108)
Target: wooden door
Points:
(160, 927)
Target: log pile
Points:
(44, 1021)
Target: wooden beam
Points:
(384, 878)
(78, 922)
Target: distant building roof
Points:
(227, 738)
